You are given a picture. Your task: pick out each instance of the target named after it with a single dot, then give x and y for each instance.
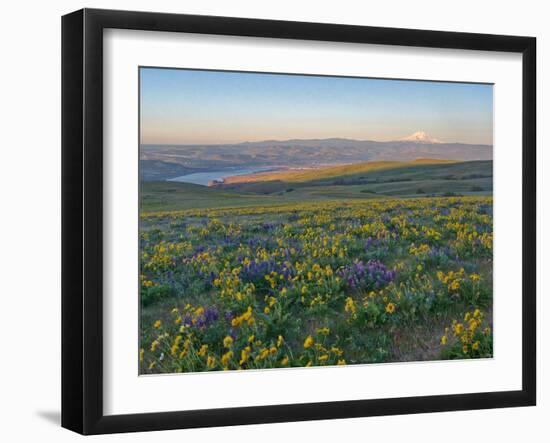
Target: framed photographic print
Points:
(269, 221)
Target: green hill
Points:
(381, 180)
(369, 173)
(167, 196)
(331, 172)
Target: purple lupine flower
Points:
(372, 275)
(200, 322)
(187, 320)
(210, 315)
(256, 270)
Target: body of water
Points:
(203, 178)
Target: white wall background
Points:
(30, 217)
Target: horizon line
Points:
(313, 139)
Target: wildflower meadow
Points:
(316, 283)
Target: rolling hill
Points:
(340, 172)
(400, 180)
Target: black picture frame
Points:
(82, 218)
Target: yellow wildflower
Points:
(244, 355)
(454, 286)
(199, 311)
(211, 361)
(174, 350)
(458, 328)
(308, 342)
(350, 307)
(203, 349)
(226, 358)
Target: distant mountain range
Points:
(160, 162)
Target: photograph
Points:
(291, 220)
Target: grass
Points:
(309, 175)
(375, 181)
(166, 196)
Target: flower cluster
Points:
(469, 337)
(373, 275)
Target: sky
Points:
(180, 106)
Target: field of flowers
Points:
(316, 283)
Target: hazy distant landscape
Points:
(276, 172)
(160, 162)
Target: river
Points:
(203, 178)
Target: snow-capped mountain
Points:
(420, 137)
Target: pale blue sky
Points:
(191, 106)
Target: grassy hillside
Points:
(413, 180)
(373, 173)
(414, 188)
(166, 196)
(332, 172)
